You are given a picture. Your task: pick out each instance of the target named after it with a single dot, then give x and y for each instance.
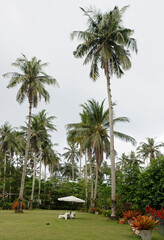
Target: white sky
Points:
(41, 28)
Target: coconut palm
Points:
(134, 159)
(149, 149)
(66, 170)
(32, 80)
(106, 43)
(123, 160)
(93, 129)
(45, 121)
(54, 165)
(46, 124)
(7, 144)
(38, 137)
(72, 154)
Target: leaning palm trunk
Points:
(25, 161)
(112, 154)
(33, 182)
(11, 157)
(45, 172)
(96, 180)
(91, 177)
(86, 180)
(73, 170)
(4, 179)
(40, 171)
(80, 160)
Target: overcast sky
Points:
(41, 28)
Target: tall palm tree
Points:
(7, 143)
(45, 121)
(123, 160)
(46, 124)
(106, 43)
(94, 130)
(38, 137)
(72, 154)
(32, 79)
(134, 159)
(149, 149)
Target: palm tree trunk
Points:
(95, 193)
(73, 170)
(33, 182)
(40, 171)
(91, 177)
(86, 180)
(25, 161)
(10, 177)
(151, 156)
(45, 173)
(4, 178)
(80, 160)
(45, 179)
(112, 153)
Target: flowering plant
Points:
(122, 221)
(130, 214)
(144, 222)
(15, 205)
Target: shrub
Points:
(144, 222)
(6, 206)
(106, 213)
(15, 205)
(122, 221)
(96, 209)
(92, 210)
(130, 214)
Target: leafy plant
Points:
(130, 214)
(96, 209)
(6, 206)
(106, 213)
(122, 221)
(144, 222)
(15, 205)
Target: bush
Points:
(144, 222)
(122, 221)
(106, 213)
(15, 205)
(130, 214)
(96, 209)
(6, 206)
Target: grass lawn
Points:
(31, 225)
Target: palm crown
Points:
(105, 40)
(32, 79)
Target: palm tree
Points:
(8, 143)
(134, 159)
(106, 42)
(72, 154)
(32, 80)
(150, 149)
(46, 125)
(94, 131)
(38, 137)
(123, 160)
(54, 165)
(66, 170)
(45, 121)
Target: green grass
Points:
(31, 225)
